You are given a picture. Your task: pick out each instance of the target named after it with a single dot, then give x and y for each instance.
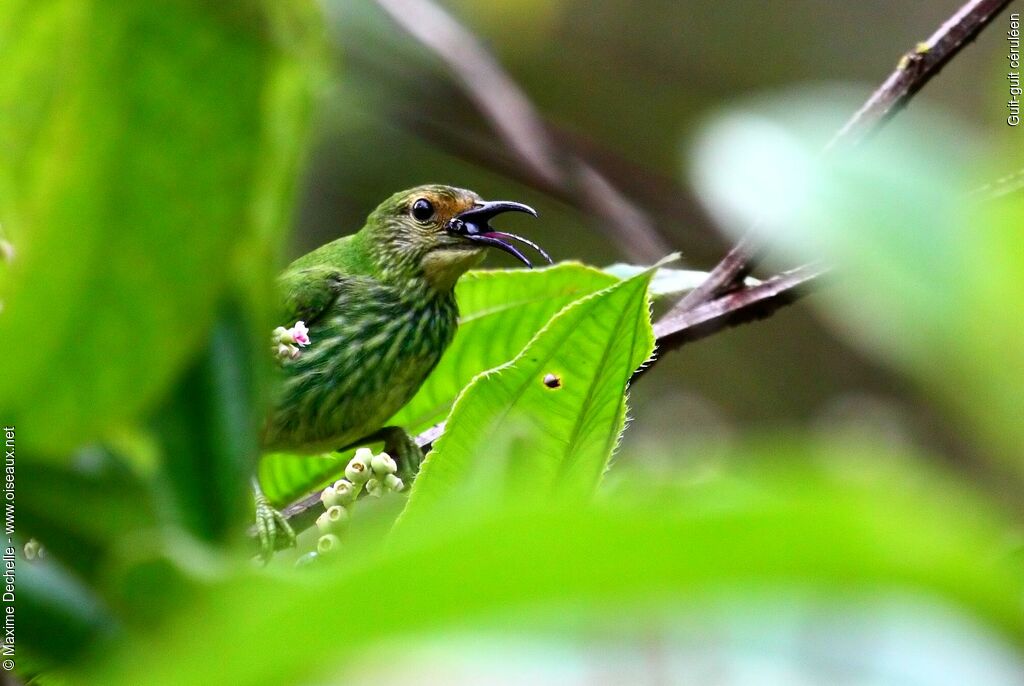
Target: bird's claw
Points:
(402, 447)
(271, 525)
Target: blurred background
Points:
(850, 498)
(625, 87)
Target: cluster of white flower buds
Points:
(377, 474)
(285, 343)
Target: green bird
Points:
(380, 310)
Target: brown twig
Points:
(737, 307)
(917, 67)
(912, 72)
(730, 270)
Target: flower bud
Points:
(375, 488)
(327, 543)
(286, 351)
(383, 464)
(345, 492)
(281, 335)
(329, 497)
(358, 469)
(333, 520)
(393, 483)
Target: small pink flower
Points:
(286, 342)
(300, 334)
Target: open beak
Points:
(473, 226)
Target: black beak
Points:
(473, 225)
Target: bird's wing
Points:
(308, 293)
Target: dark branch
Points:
(917, 67)
(730, 270)
(741, 306)
(914, 70)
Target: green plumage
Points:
(380, 310)
(372, 345)
(380, 307)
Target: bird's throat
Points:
(442, 268)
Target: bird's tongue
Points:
(506, 237)
(495, 239)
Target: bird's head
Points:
(440, 232)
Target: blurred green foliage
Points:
(926, 273)
(132, 136)
(644, 544)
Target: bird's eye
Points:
(422, 210)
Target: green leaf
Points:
(500, 311)
(133, 134)
(673, 547)
(110, 503)
(561, 402)
(59, 618)
(208, 428)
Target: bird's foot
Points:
(402, 447)
(271, 527)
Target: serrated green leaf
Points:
(561, 402)
(500, 311)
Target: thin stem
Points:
(914, 70)
(917, 67)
